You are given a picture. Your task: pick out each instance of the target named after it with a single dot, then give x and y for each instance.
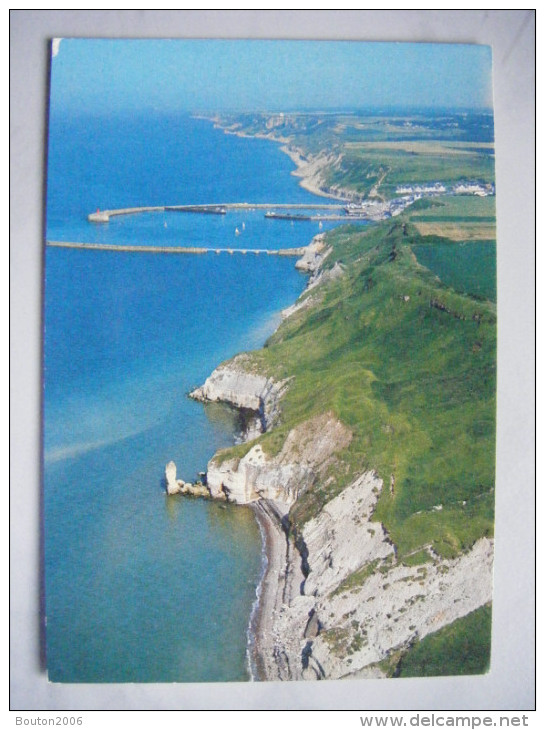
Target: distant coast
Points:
(307, 169)
(323, 173)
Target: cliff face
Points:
(232, 383)
(314, 255)
(397, 606)
(335, 601)
(357, 604)
(307, 452)
(338, 602)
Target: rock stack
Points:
(178, 486)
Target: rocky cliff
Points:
(335, 600)
(308, 451)
(235, 384)
(356, 605)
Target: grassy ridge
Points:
(457, 207)
(409, 365)
(401, 348)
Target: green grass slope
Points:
(408, 364)
(463, 647)
(401, 348)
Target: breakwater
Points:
(103, 216)
(177, 249)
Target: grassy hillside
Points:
(401, 347)
(460, 648)
(408, 363)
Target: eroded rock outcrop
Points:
(307, 452)
(321, 277)
(170, 475)
(178, 486)
(314, 255)
(233, 383)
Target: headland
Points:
(370, 457)
(325, 542)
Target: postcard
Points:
(269, 382)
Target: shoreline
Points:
(308, 171)
(269, 592)
(307, 620)
(307, 181)
(281, 576)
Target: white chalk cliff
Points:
(306, 453)
(232, 383)
(356, 604)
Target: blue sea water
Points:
(139, 587)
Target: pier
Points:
(103, 216)
(177, 249)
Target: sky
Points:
(107, 75)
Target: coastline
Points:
(307, 177)
(269, 593)
(308, 621)
(282, 577)
(281, 584)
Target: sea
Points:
(141, 587)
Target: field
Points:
(467, 267)
(461, 218)
(458, 241)
(454, 207)
(374, 154)
(462, 231)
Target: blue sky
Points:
(101, 75)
